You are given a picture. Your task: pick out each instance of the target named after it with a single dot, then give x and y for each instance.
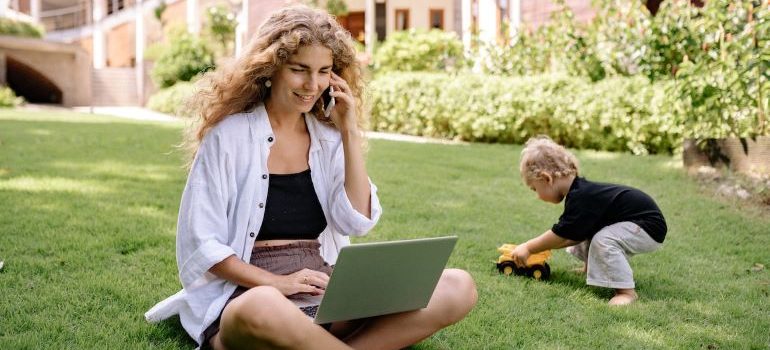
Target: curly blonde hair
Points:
(240, 86)
(541, 155)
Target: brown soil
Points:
(751, 189)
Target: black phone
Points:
(328, 101)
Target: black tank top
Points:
(292, 210)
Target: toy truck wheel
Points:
(506, 268)
(540, 272)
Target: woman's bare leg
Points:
(454, 297)
(262, 318)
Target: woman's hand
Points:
(520, 255)
(344, 111)
(303, 281)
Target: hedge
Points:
(8, 98)
(172, 100)
(20, 28)
(184, 57)
(616, 114)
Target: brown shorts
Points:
(280, 260)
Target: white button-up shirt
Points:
(223, 205)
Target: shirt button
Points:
(270, 139)
(264, 176)
(251, 234)
(261, 205)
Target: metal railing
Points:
(70, 17)
(79, 14)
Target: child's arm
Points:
(547, 240)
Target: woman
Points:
(274, 190)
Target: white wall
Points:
(488, 26)
(356, 5)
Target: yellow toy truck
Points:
(537, 267)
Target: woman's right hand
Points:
(303, 281)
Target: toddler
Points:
(602, 224)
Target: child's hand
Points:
(520, 255)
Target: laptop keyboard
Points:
(310, 310)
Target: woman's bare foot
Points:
(623, 297)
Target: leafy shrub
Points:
(337, 7)
(528, 55)
(172, 100)
(619, 31)
(623, 39)
(669, 39)
(726, 91)
(419, 50)
(184, 57)
(8, 98)
(20, 28)
(618, 114)
(559, 46)
(220, 25)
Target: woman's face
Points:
(298, 84)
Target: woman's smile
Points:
(306, 98)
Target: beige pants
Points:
(608, 252)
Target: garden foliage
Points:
(173, 100)
(8, 98)
(20, 28)
(184, 57)
(220, 26)
(618, 114)
(419, 50)
(688, 71)
(725, 90)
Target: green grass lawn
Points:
(89, 210)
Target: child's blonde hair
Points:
(542, 155)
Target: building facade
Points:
(115, 33)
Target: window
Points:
(436, 19)
(402, 19)
(114, 6)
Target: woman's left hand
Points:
(344, 112)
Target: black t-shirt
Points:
(591, 206)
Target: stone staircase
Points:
(114, 87)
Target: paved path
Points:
(140, 113)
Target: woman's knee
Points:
(458, 290)
(261, 313)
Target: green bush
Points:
(220, 26)
(419, 50)
(20, 28)
(618, 114)
(172, 100)
(560, 46)
(670, 38)
(624, 39)
(726, 91)
(185, 57)
(8, 98)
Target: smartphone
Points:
(328, 101)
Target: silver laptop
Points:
(373, 279)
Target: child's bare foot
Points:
(623, 297)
